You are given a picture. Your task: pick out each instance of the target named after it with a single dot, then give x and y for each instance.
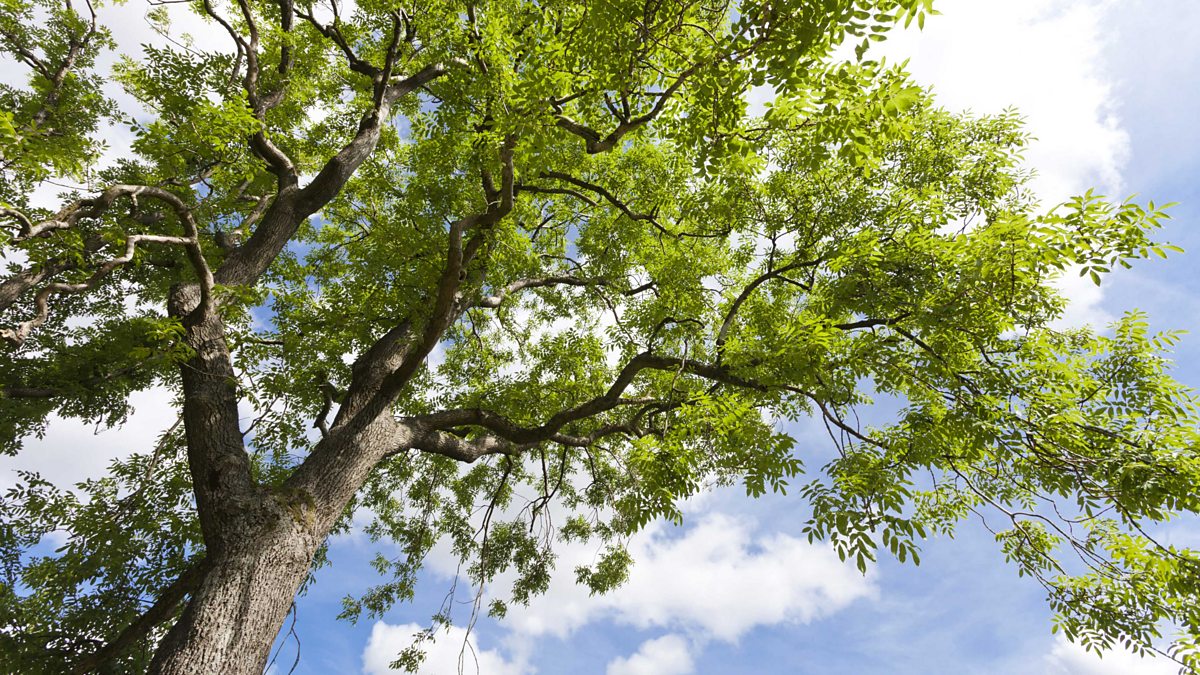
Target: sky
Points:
(1109, 89)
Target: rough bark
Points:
(260, 544)
(260, 541)
(232, 618)
(266, 551)
(217, 459)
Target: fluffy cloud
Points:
(717, 580)
(1046, 59)
(451, 652)
(1068, 658)
(667, 655)
(71, 452)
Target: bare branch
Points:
(96, 206)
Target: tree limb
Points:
(96, 206)
(609, 197)
(159, 612)
(292, 206)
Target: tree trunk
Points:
(263, 554)
(234, 615)
(260, 541)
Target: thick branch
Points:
(24, 225)
(337, 171)
(449, 302)
(468, 450)
(462, 449)
(159, 612)
(292, 206)
(20, 283)
(387, 366)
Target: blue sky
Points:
(1110, 90)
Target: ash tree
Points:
(507, 273)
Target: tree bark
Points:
(260, 542)
(264, 554)
(233, 617)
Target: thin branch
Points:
(493, 301)
(609, 197)
(594, 143)
(96, 206)
(731, 314)
(520, 435)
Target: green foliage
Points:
(854, 241)
(79, 565)
(49, 129)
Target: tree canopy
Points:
(420, 262)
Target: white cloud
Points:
(1153, 51)
(1086, 306)
(717, 580)
(667, 655)
(747, 582)
(71, 452)
(1047, 59)
(450, 652)
(1068, 658)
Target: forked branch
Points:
(94, 207)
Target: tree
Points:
(444, 251)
